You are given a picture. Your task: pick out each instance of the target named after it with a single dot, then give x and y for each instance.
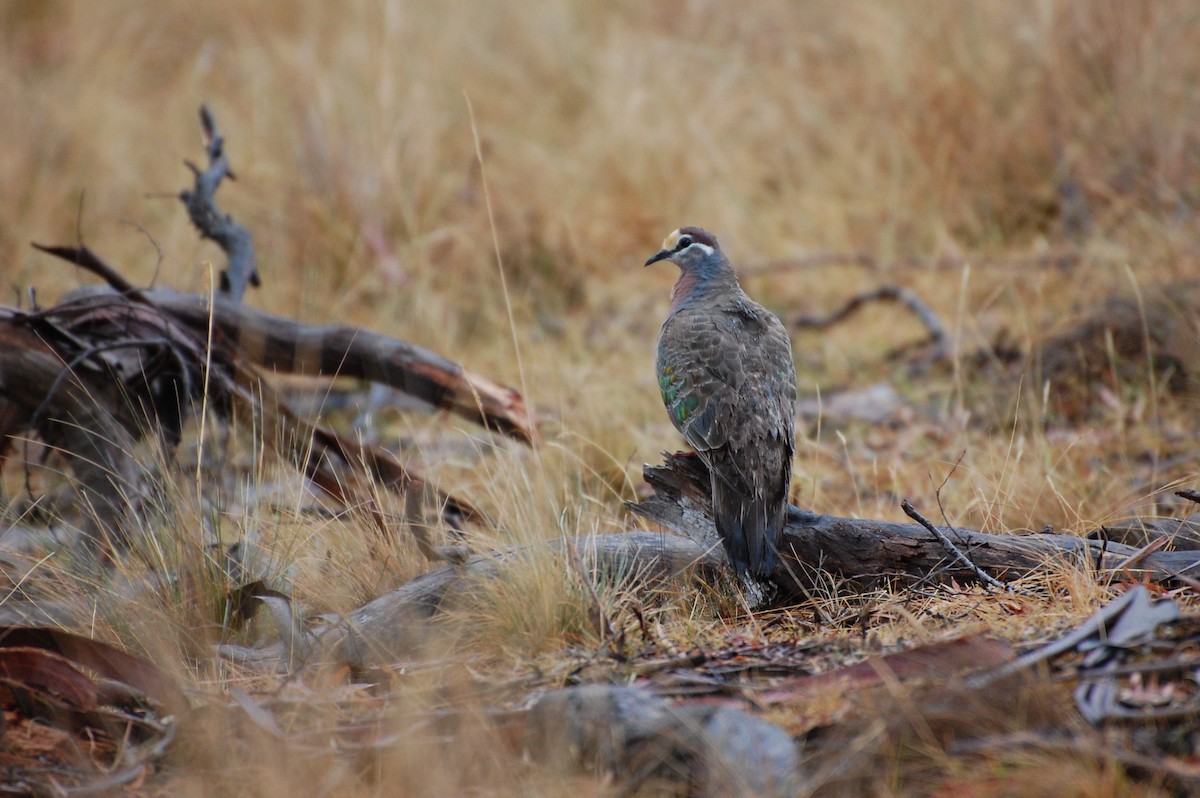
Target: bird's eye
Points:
(683, 243)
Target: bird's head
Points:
(693, 250)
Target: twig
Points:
(158, 250)
(893, 293)
(82, 256)
(983, 576)
(1190, 495)
(233, 239)
(945, 518)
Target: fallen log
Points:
(336, 350)
(859, 551)
(95, 374)
(868, 551)
(341, 350)
(398, 622)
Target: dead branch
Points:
(339, 350)
(869, 551)
(78, 414)
(233, 239)
(398, 622)
(287, 346)
(894, 293)
(158, 398)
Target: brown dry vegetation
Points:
(909, 131)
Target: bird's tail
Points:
(751, 529)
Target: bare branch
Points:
(892, 293)
(982, 575)
(234, 239)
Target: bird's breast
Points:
(682, 290)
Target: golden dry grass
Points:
(919, 130)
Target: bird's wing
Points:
(777, 370)
(699, 374)
(727, 376)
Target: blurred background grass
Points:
(898, 130)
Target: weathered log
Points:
(287, 346)
(398, 622)
(869, 551)
(80, 414)
(340, 350)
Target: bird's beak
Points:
(662, 254)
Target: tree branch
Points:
(233, 239)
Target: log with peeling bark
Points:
(860, 551)
(93, 375)
(869, 551)
(338, 350)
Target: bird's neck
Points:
(694, 288)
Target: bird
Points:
(728, 380)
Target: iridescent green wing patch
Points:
(667, 384)
(686, 406)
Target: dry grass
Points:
(914, 130)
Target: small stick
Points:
(85, 258)
(1190, 495)
(893, 293)
(983, 576)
